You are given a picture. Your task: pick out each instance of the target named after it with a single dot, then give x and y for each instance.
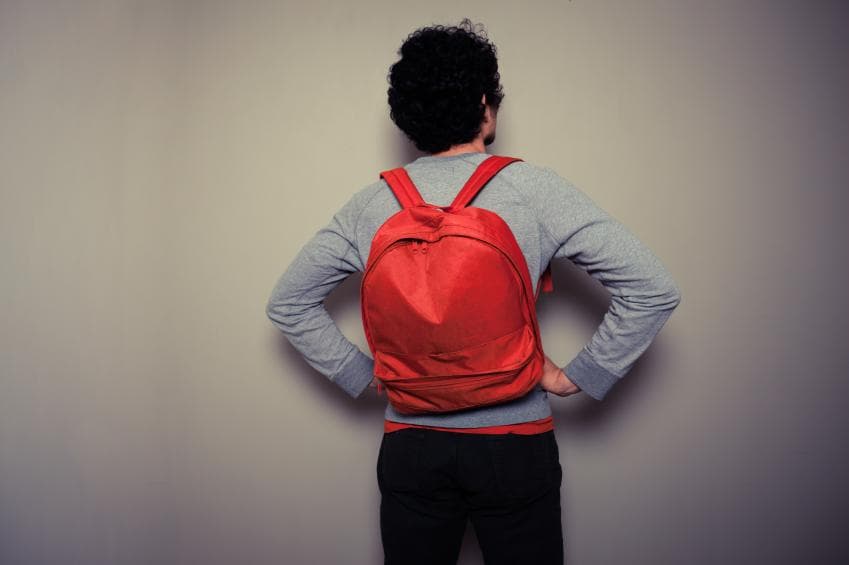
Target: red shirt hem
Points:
(523, 428)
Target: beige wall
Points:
(162, 162)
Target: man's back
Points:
(549, 217)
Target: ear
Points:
(488, 113)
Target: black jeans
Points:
(431, 482)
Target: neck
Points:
(476, 145)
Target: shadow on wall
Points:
(343, 301)
(401, 149)
(578, 299)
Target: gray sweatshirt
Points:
(550, 217)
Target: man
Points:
(497, 466)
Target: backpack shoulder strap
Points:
(402, 186)
(485, 171)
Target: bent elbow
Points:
(289, 314)
(270, 310)
(277, 309)
(671, 297)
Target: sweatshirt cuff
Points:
(356, 375)
(590, 377)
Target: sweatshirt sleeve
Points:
(296, 304)
(643, 293)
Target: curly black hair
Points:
(437, 84)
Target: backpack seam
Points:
(472, 346)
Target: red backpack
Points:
(448, 307)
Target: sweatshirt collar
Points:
(433, 158)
